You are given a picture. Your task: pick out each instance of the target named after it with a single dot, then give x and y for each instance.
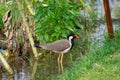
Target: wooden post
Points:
(108, 18)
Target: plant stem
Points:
(27, 29)
(6, 65)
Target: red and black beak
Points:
(76, 36)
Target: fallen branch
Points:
(4, 62)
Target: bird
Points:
(60, 46)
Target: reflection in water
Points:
(22, 75)
(21, 71)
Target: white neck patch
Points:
(70, 38)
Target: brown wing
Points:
(59, 45)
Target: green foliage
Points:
(55, 19)
(94, 65)
(3, 10)
(14, 13)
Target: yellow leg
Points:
(61, 59)
(58, 59)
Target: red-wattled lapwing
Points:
(59, 46)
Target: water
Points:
(21, 69)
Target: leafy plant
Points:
(3, 9)
(55, 19)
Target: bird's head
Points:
(72, 36)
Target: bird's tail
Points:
(37, 45)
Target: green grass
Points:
(105, 69)
(3, 10)
(101, 64)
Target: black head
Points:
(72, 36)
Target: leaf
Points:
(56, 19)
(78, 24)
(71, 29)
(46, 37)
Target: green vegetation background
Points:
(101, 64)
